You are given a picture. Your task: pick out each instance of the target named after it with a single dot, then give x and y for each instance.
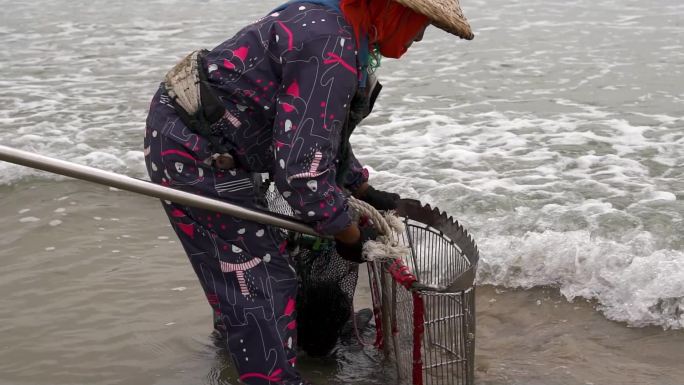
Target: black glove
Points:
(381, 200)
(354, 252)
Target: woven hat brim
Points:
(444, 14)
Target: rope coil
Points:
(387, 245)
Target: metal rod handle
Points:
(123, 182)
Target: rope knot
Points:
(388, 245)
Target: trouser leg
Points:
(254, 295)
(242, 266)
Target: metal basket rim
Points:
(445, 225)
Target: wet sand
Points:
(95, 289)
(536, 337)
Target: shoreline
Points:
(552, 341)
(96, 289)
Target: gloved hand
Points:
(354, 252)
(379, 199)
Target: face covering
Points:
(389, 25)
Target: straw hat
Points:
(445, 14)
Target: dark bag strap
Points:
(360, 107)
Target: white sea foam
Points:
(632, 281)
(548, 204)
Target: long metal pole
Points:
(123, 182)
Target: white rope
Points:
(389, 226)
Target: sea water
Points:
(556, 136)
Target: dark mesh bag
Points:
(326, 285)
(324, 299)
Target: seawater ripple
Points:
(556, 135)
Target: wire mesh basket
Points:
(425, 303)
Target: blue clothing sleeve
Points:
(319, 79)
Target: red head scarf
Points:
(388, 24)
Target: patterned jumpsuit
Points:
(286, 82)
